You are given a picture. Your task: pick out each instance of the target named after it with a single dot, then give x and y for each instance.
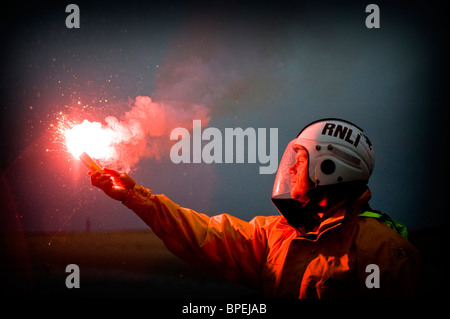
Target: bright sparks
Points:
(92, 138)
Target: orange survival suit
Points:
(270, 254)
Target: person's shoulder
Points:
(271, 224)
(374, 229)
(373, 234)
(275, 227)
(266, 221)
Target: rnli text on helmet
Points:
(342, 132)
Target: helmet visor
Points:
(291, 208)
(292, 175)
(282, 184)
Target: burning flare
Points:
(90, 163)
(91, 138)
(142, 132)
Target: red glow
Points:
(92, 138)
(122, 142)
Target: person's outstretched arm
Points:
(223, 245)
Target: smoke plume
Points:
(206, 73)
(143, 131)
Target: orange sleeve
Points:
(223, 245)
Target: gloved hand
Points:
(115, 184)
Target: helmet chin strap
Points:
(296, 214)
(303, 200)
(321, 198)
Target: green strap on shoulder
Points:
(384, 218)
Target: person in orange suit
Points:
(326, 243)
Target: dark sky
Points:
(265, 65)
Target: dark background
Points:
(260, 65)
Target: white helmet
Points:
(338, 152)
